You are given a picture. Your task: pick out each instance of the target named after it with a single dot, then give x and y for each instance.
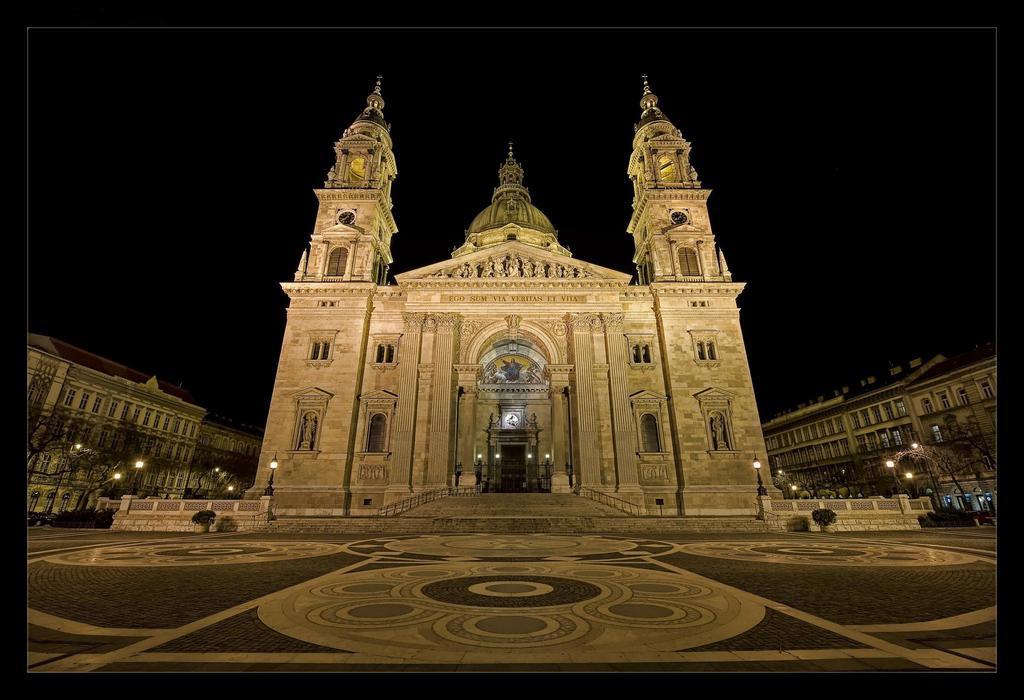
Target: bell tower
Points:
(351, 239)
(670, 225)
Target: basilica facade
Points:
(513, 364)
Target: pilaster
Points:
(588, 465)
(405, 414)
(624, 430)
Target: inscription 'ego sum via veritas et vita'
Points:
(514, 298)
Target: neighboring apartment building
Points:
(841, 443)
(91, 418)
(226, 456)
(955, 401)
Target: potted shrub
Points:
(824, 518)
(203, 520)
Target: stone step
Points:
(561, 525)
(513, 505)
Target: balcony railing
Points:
(399, 507)
(601, 497)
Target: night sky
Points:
(171, 176)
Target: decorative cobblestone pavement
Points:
(241, 602)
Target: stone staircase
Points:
(515, 513)
(514, 505)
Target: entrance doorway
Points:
(512, 475)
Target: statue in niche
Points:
(308, 432)
(532, 423)
(718, 433)
(490, 421)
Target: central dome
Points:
(511, 208)
(511, 216)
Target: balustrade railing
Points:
(419, 499)
(603, 498)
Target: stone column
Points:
(400, 482)
(558, 377)
(624, 429)
(587, 467)
(467, 421)
(441, 462)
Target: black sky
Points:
(171, 176)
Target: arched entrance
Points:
(514, 392)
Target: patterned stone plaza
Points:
(137, 602)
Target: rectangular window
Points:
(102, 442)
(192, 431)
(961, 397)
(96, 404)
(124, 411)
(113, 408)
(936, 433)
(167, 421)
(69, 398)
(897, 436)
(862, 442)
(177, 453)
(156, 421)
(877, 414)
(884, 436)
(855, 420)
(145, 419)
(926, 406)
(839, 424)
(986, 390)
(901, 408)
(84, 402)
(865, 417)
(888, 411)
(944, 400)
(135, 416)
(872, 441)
(177, 425)
(814, 430)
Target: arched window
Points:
(700, 350)
(389, 356)
(357, 169)
(688, 262)
(64, 502)
(647, 354)
(637, 357)
(378, 433)
(33, 501)
(649, 433)
(711, 351)
(380, 353)
(337, 262)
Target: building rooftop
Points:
(77, 355)
(984, 352)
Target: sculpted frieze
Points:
(515, 266)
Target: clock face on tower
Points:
(511, 420)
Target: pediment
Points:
(645, 395)
(513, 261)
(312, 392)
(378, 395)
(342, 228)
(714, 394)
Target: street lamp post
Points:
(269, 491)
(892, 469)
(138, 473)
(761, 490)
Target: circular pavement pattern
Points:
(199, 554)
(827, 553)
(513, 546)
(441, 611)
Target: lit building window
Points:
(926, 406)
(944, 400)
(937, 433)
(962, 397)
(986, 390)
(337, 262)
(688, 262)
